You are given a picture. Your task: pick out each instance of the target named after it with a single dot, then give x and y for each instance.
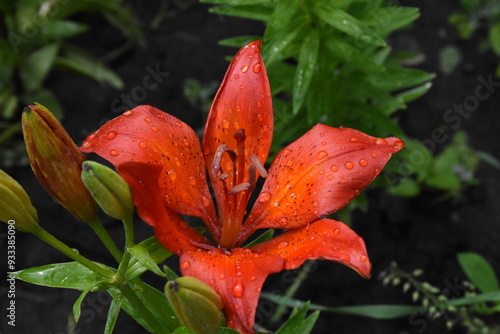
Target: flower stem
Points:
(129, 242)
(71, 253)
(106, 239)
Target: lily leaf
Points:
(141, 254)
(260, 12)
(305, 69)
(70, 275)
(113, 312)
(156, 252)
(37, 66)
(479, 271)
(298, 323)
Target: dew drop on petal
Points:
(142, 144)
(321, 155)
(286, 152)
(113, 153)
(315, 203)
(185, 265)
(128, 113)
(256, 68)
(238, 290)
(244, 68)
(259, 104)
(192, 180)
(148, 119)
(363, 258)
(344, 257)
(236, 76)
(283, 221)
(225, 124)
(354, 139)
(282, 245)
(336, 231)
(323, 143)
(349, 165)
(178, 123)
(381, 141)
(222, 276)
(154, 128)
(111, 135)
(376, 171)
(374, 155)
(363, 162)
(329, 177)
(206, 201)
(264, 197)
(334, 168)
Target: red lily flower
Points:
(161, 159)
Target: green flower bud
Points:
(195, 303)
(109, 190)
(15, 205)
(56, 161)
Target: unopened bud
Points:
(195, 303)
(56, 161)
(109, 190)
(15, 205)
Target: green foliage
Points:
(33, 43)
(478, 14)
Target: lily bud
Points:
(16, 205)
(195, 303)
(56, 161)
(109, 190)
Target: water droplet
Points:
(376, 171)
(185, 265)
(128, 113)
(238, 290)
(349, 165)
(222, 276)
(256, 68)
(354, 139)
(315, 203)
(259, 104)
(282, 245)
(264, 197)
(321, 155)
(237, 108)
(225, 124)
(142, 144)
(192, 180)
(113, 153)
(244, 68)
(283, 221)
(381, 141)
(289, 163)
(336, 231)
(178, 123)
(148, 119)
(323, 143)
(321, 134)
(344, 257)
(363, 258)
(286, 152)
(363, 162)
(236, 76)
(357, 192)
(398, 144)
(374, 155)
(154, 128)
(111, 135)
(206, 201)
(236, 125)
(329, 177)
(259, 117)
(334, 168)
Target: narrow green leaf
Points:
(298, 323)
(488, 158)
(70, 275)
(261, 12)
(479, 271)
(171, 275)
(414, 93)
(281, 18)
(238, 41)
(276, 49)
(113, 312)
(81, 62)
(37, 66)
(10, 104)
(494, 37)
(142, 255)
(156, 251)
(305, 69)
(388, 19)
(348, 24)
(78, 303)
(492, 296)
(263, 237)
(371, 311)
(60, 29)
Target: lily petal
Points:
(146, 134)
(237, 276)
(170, 230)
(241, 113)
(317, 175)
(324, 239)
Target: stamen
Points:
(251, 175)
(258, 165)
(239, 188)
(216, 163)
(240, 135)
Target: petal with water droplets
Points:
(172, 232)
(317, 175)
(324, 239)
(146, 134)
(237, 276)
(242, 106)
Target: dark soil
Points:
(425, 232)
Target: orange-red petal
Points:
(243, 102)
(237, 276)
(324, 239)
(317, 175)
(172, 232)
(148, 135)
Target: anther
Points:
(239, 188)
(258, 165)
(216, 163)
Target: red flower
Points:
(161, 159)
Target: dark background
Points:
(419, 233)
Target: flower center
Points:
(238, 173)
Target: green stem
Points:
(129, 242)
(106, 239)
(71, 253)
